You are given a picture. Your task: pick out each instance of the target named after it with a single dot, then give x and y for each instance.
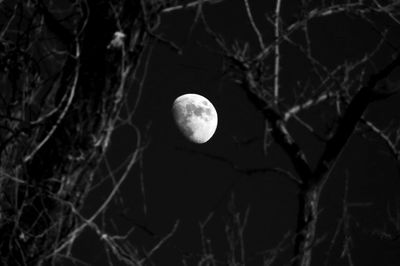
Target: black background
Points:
(181, 183)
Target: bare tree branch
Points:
(253, 25)
(277, 46)
(370, 92)
(193, 4)
(248, 171)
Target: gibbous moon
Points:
(195, 117)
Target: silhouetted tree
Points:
(66, 68)
(346, 90)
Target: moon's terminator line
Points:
(195, 117)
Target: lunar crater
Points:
(195, 117)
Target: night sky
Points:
(186, 182)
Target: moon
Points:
(195, 117)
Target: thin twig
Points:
(64, 111)
(248, 171)
(386, 139)
(253, 25)
(103, 206)
(161, 242)
(189, 5)
(309, 103)
(277, 52)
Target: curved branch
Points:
(352, 116)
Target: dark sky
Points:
(182, 183)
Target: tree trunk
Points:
(308, 200)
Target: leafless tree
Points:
(67, 66)
(346, 90)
